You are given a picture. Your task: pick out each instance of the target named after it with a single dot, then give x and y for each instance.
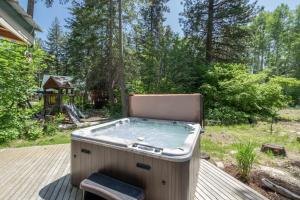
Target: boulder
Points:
(277, 150)
(220, 164)
(278, 177)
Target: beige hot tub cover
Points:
(179, 107)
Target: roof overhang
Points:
(21, 11)
(16, 24)
(9, 32)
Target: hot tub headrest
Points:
(180, 107)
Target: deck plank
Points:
(32, 178)
(43, 172)
(19, 175)
(241, 189)
(218, 183)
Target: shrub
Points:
(17, 82)
(33, 130)
(233, 95)
(227, 115)
(51, 125)
(8, 134)
(115, 110)
(245, 158)
(50, 128)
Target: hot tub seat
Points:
(110, 188)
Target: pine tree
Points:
(151, 33)
(121, 68)
(218, 27)
(55, 46)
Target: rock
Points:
(204, 155)
(278, 177)
(232, 152)
(277, 150)
(220, 164)
(66, 126)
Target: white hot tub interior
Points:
(161, 134)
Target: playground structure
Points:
(58, 93)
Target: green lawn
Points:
(220, 141)
(290, 114)
(59, 138)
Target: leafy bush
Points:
(233, 95)
(115, 110)
(51, 125)
(50, 128)
(17, 81)
(227, 115)
(8, 134)
(33, 130)
(291, 87)
(245, 158)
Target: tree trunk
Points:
(279, 189)
(30, 7)
(121, 67)
(110, 61)
(262, 60)
(209, 28)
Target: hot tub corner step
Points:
(110, 188)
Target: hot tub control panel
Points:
(146, 148)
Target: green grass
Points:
(218, 141)
(59, 138)
(290, 114)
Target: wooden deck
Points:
(43, 172)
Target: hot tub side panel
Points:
(161, 179)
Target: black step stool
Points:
(100, 186)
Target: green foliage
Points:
(218, 28)
(8, 134)
(233, 95)
(18, 66)
(275, 41)
(55, 45)
(227, 115)
(245, 158)
(159, 61)
(32, 130)
(291, 87)
(51, 124)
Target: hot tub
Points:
(161, 156)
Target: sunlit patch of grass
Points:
(215, 149)
(219, 140)
(59, 138)
(290, 114)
